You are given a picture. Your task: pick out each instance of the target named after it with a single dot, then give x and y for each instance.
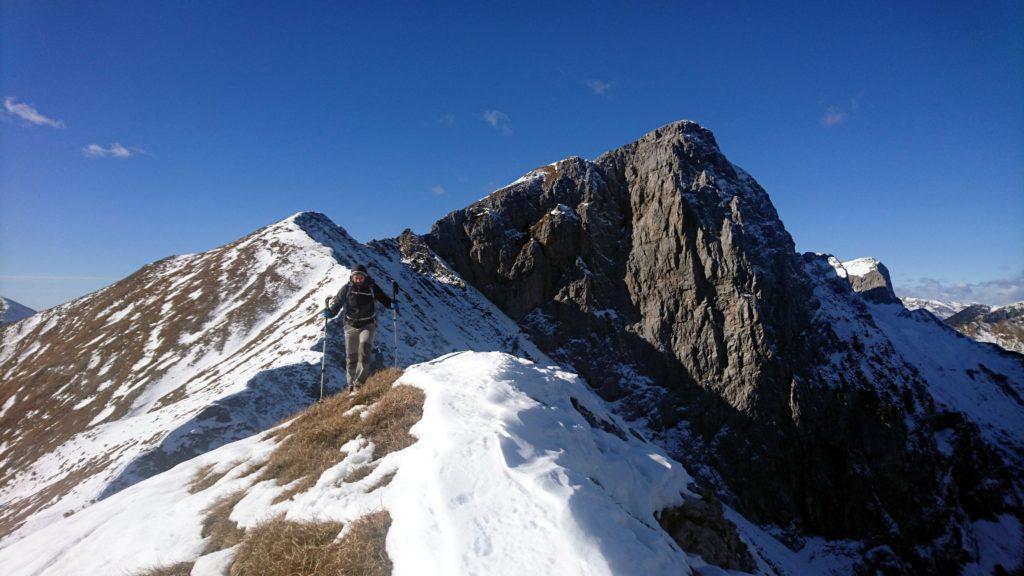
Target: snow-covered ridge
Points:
(195, 351)
(518, 468)
(861, 266)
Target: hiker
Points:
(356, 298)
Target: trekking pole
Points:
(323, 357)
(394, 316)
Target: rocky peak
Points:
(871, 278)
(662, 273)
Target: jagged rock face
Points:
(662, 263)
(700, 528)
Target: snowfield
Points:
(508, 476)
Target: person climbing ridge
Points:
(357, 299)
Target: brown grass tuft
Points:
(357, 474)
(388, 423)
(312, 442)
(363, 551)
(281, 547)
(206, 477)
(179, 569)
(218, 526)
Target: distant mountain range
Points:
(942, 309)
(1000, 325)
(11, 311)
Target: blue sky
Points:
(136, 130)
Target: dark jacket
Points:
(358, 302)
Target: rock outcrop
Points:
(871, 278)
(662, 273)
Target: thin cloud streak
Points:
(115, 150)
(29, 114)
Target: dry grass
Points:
(311, 443)
(179, 569)
(281, 547)
(357, 474)
(205, 477)
(218, 526)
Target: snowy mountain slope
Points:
(940, 308)
(196, 351)
(517, 468)
(11, 311)
(983, 383)
(1002, 325)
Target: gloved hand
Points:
(326, 313)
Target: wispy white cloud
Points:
(834, 115)
(115, 150)
(498, 120)
(448, 119)
(598, 87)
(993, 292)
(28, 113)
(438, 190)
(837, 114)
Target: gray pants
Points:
(358, 352)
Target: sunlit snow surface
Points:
(507, 477)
